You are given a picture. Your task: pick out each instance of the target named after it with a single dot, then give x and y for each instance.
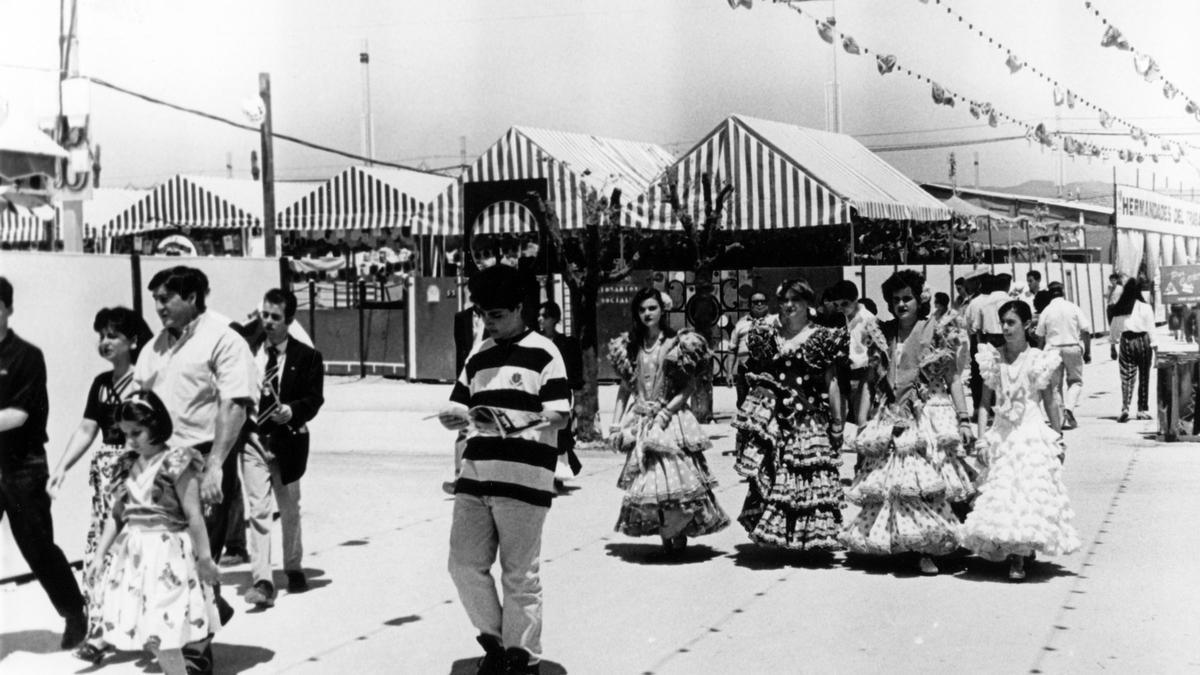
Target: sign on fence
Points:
(1180, 284)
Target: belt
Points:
(1131, 334)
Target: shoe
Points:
(448, 487)
(492, 662)
(1143, 415)
(91, 653)
(560, 486)
(262, 594)
(1016, 568)
(516, 662)
(234, 556)
(1124, 417)
(1069, 420)
(297, 583)
(224, 609)
(928, 567)
(75, 630)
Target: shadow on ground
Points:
(240, 581)
(654, 554)
(754, 557)
(1038, 572)
(32, 641)
(469, 667)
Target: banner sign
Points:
(1180, 284)
(1139, 209)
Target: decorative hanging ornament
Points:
(974, 109)
(1014, 64)
(1070, 99)
(993, 118)
(851, 46)
(1146, 66)
(734, 4)
(1169, 90)
(1059, 97)
(886, 63)
(825, 29)
(941, 96)
(1105, 120)
(1113, 38)
(1191, 108)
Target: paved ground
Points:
(376, 525)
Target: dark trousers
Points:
(740, 384)
(24, 500)
(235, 536)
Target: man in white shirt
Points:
(1033, 284)
(983, 322)
(845, 297)
(1063, 327)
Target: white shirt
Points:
(1140, 320)
(208, 363)
(742, 329)
(983, 314)
(260, 360)
(1062, 324)
(858, 325)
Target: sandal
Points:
(927, 566)
(1016, 568)
(90, 653)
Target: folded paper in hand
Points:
(502, 422)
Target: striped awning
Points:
(365, 198)
(574, 166)
(24, 227)
(785, 176)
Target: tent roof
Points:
(24, 149)
(364, 197)
(964, 208)
(602, 162)
(873, 187)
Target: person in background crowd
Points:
(941, 307)
(504, 491)
(1175, 319)
(858, 322)
(827, 313)
(549, 316)
(1116, 284)
(758, 312)
(1033, 284)
(122, 333)
(961, 297)
(275, 458)
(1062, 327)
(205, 375)
(24, 406)
(1133, 321)
(973, 314)
(1022, 507)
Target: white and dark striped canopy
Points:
(23, 227)
(784, 176)
(574, 166)
(365, 198)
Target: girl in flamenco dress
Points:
(911, 450)
(1022, 508)
(794, 416)
(668, 488)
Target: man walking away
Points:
(1064, 328)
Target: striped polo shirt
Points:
(525, 374)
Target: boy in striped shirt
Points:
(504, 489)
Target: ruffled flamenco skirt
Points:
(795, 499)
(668, 487)
(902, 489)
(1022, 505)
(152, 594)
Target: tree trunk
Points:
(702, 398)
(587, 408)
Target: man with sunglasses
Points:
(741, 353)
(24, 406)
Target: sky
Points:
(663, 71)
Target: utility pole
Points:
(71, 211)
(833, 94)
(268, 165)
(368, 126)
(976, 185)
(462, 153)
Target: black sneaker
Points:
(492, 662)
(1124, 417)
(296, 582)
(74, 631)
(516, 662)
(262, 594)
(1069, 420)
(224, 609)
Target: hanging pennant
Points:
(1070, 99)
(1146, 66)
(974, 109)
(1169, 90)
(1014, 64)
(1113, 38)
(825, 29)
(1105, 120)
(941, 96)
(1177, 152)
(886, 63)
(1059, 97)
(993, 119)
(734, 4)
(851, 46)
(1190, 108)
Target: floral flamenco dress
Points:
(912, 465)
(152, 593)
(1022, 506)
(668, 488)
(795, 499)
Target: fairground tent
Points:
(365, 198)
(573, 165)
(785, 176)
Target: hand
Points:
(55, 483)
(663, 418)
(966, 431)
(1087, 357)
(282, 414)
(207, 570)
(210, 485)
(452, 420)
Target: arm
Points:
(106, 539)
(231, 417)
(837, 418)
(675, 404)
(1050, 401)
(80, 441)
(622, 401)
(187, 487)
(12, 418)
(981, 411)
(300, 411)
(960, 406)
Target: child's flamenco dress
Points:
(1022, 506)
(668, 488)
(913, 461)
(795, 498)
(152, 595)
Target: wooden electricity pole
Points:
(268, 165)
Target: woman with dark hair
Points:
(1022, 506)
(1133, 322)
(793, 417)
(122, 333)
(668, 488)
(914, 425)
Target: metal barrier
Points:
(359, 326)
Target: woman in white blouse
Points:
(1133, 323)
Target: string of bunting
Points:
(1144, 64)
(1061, 93)
(982, 110)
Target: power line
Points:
(942, 144)
(247, 127)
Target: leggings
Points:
(1135, 362)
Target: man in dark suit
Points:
(549, 315)
(293, 377)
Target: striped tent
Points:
(573, 164)
(202, 202)
(105, 204)
(24, 227)
(366, 198)
(784, 176)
